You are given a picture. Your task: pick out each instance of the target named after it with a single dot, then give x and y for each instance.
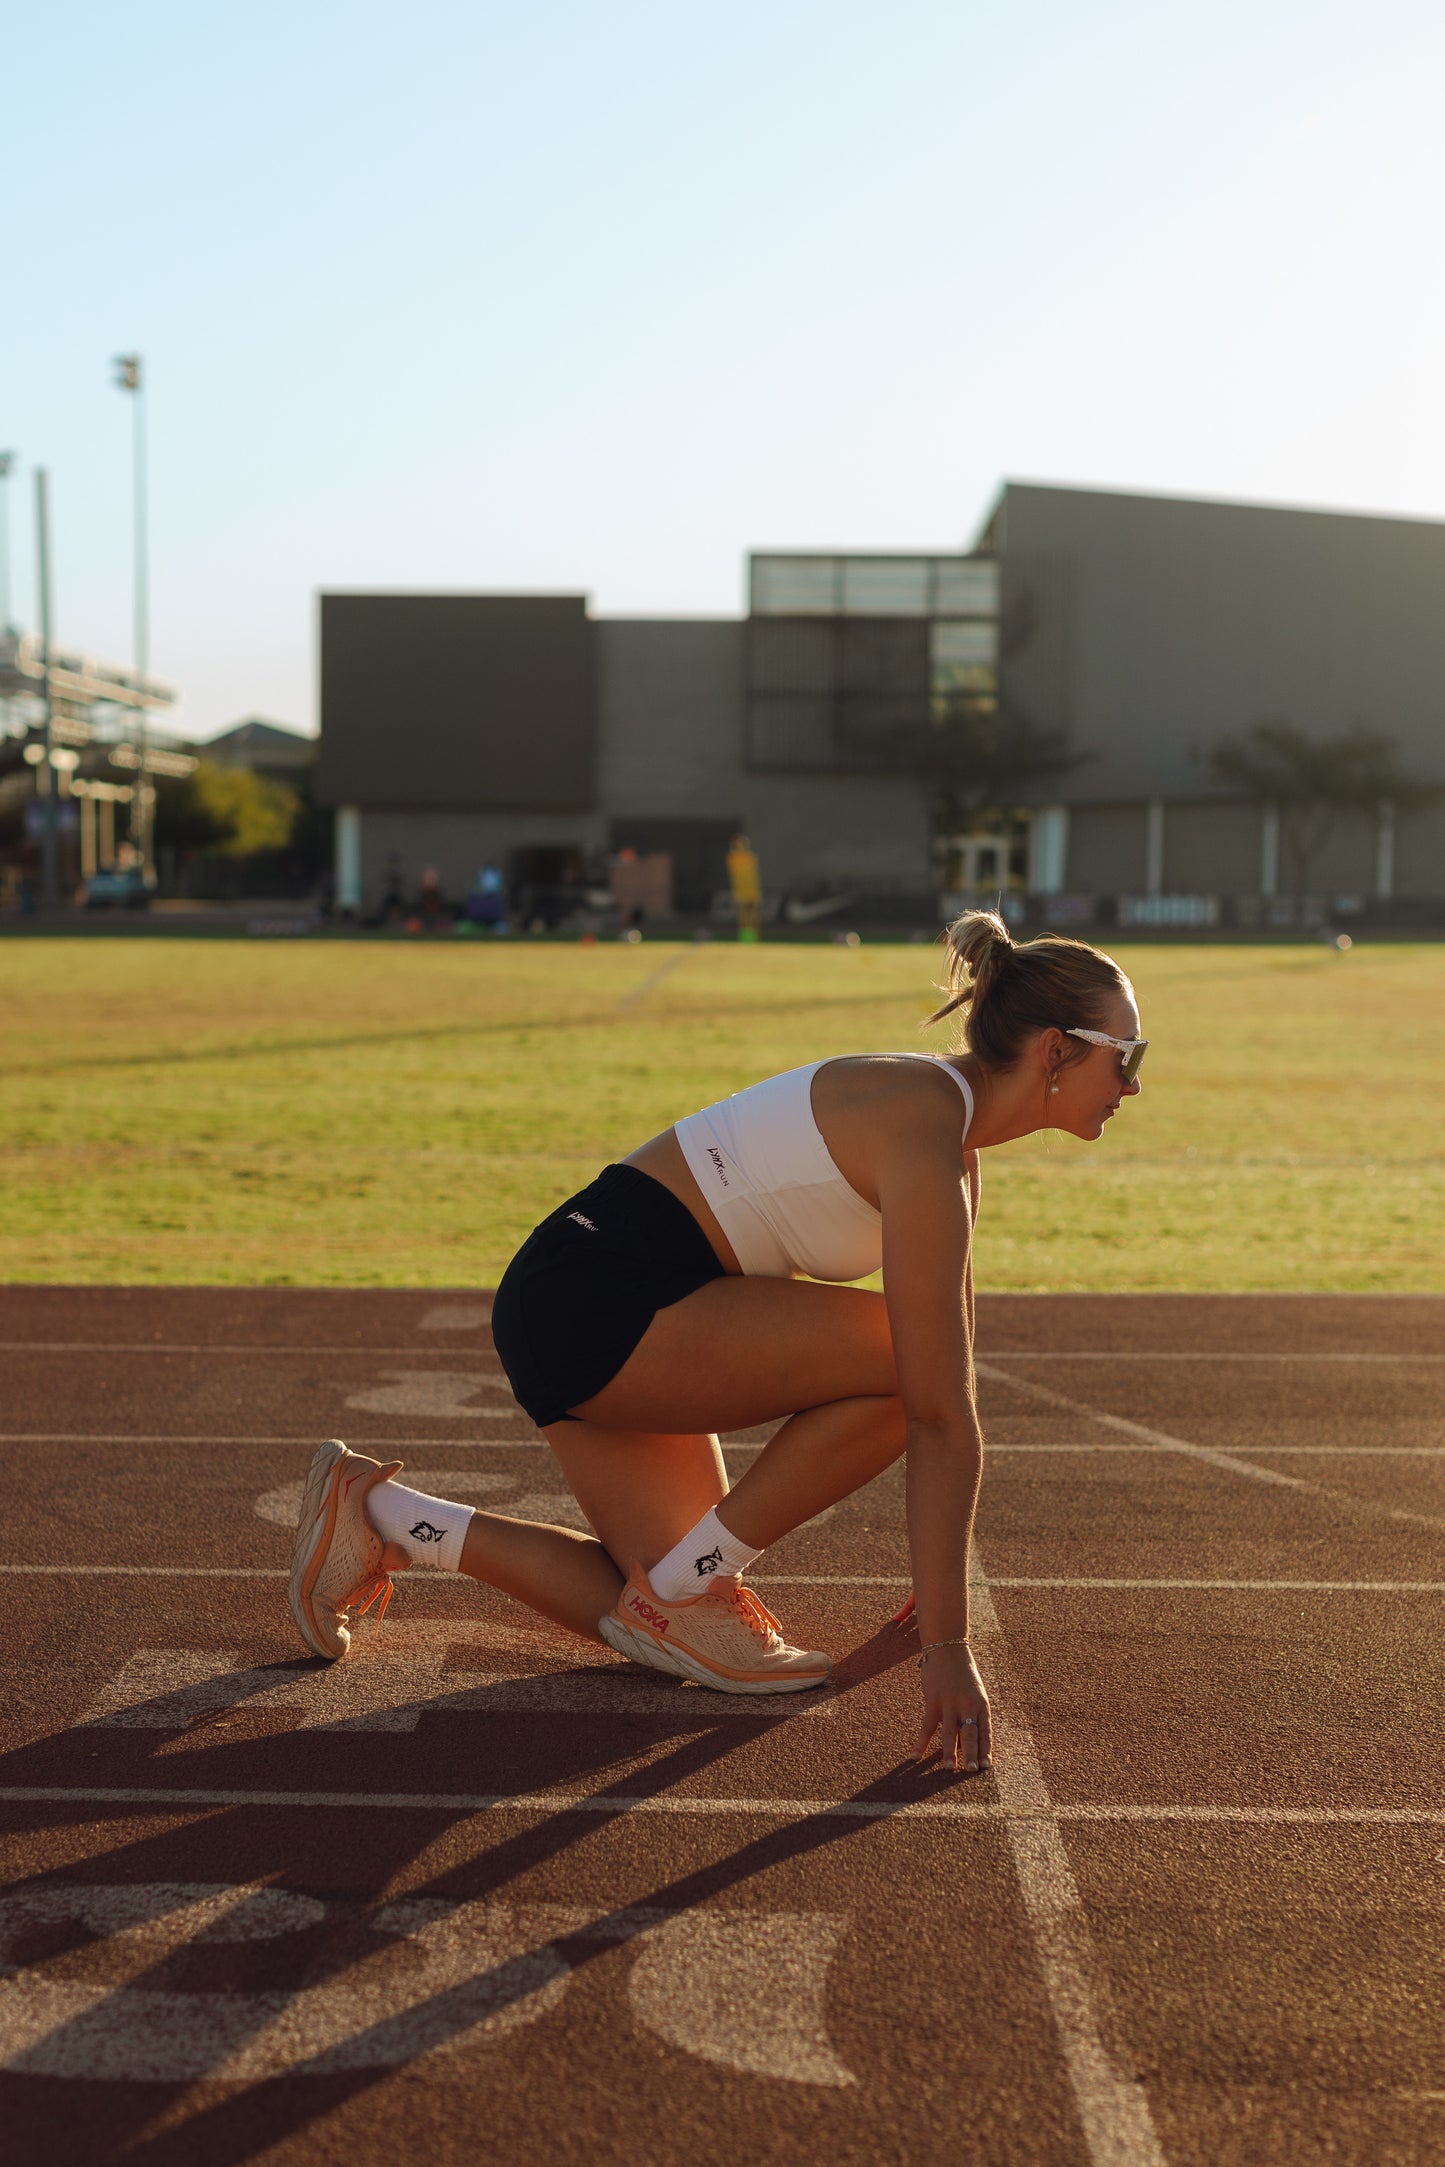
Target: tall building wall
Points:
(670, 744)
(1187, 621)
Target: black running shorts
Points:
(585, 1285)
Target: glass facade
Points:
(894, 586)
(851, 659)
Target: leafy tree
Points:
(972, 755)
(1314, 781)
(229, 810)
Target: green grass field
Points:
(379, 1113)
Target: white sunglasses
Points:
(1131, 1051)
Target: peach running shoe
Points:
(723, 1638)
(336, 1562)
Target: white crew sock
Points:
(429, 1529)
(691, 1566)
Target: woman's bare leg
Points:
(641, 1490)
(568, 1578)
(751, 1350)
(644, 1463)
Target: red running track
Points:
(478, 1889)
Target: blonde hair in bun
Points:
(1004, 990)
(978, 945)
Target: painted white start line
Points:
(433, 1392)
(394, 1678)
(421, 1976)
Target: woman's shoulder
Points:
(869, 1081)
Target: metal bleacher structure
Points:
(104, 750)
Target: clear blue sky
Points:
(574, 296)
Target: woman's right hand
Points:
(955, 1709)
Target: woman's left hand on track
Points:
(955, 1710)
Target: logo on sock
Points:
(425, 1532)
(582, 1222)
(708, 1563)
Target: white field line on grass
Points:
(1165, 1442)
(1118, 2128)
(653, 978)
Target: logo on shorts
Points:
(708, 1563)
(425, 1532)
(716, 1156)
(582, 1222)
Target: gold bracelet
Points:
(941, 1644)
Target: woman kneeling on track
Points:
(660, 1305)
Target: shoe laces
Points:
(756, 1615)
(374, 1586)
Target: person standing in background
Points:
(745, 880)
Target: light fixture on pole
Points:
(129, 376)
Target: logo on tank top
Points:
(581, 1221)
(716, 1156)
(708, 1563)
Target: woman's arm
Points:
(927, 1198)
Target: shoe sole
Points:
(682, 1663)
(314, 1526)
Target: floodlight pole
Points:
(130, 376)
(7, 468)
(49, 837)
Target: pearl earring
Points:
(1053, 1087)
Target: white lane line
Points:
(1229, 1461)
(1118, 2127)
(950, 1808)
(1251, 1587)
(1006, 1354)
(427, 1582)
(456, 1317)
(539, 1444)
(544, 1802)
(553, 1507)
(311, 1438)
(1302, 1452)
(1179, 1354)
(154, 1346)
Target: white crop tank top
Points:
(760, 1160)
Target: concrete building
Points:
(459, 730)
(266, 748)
